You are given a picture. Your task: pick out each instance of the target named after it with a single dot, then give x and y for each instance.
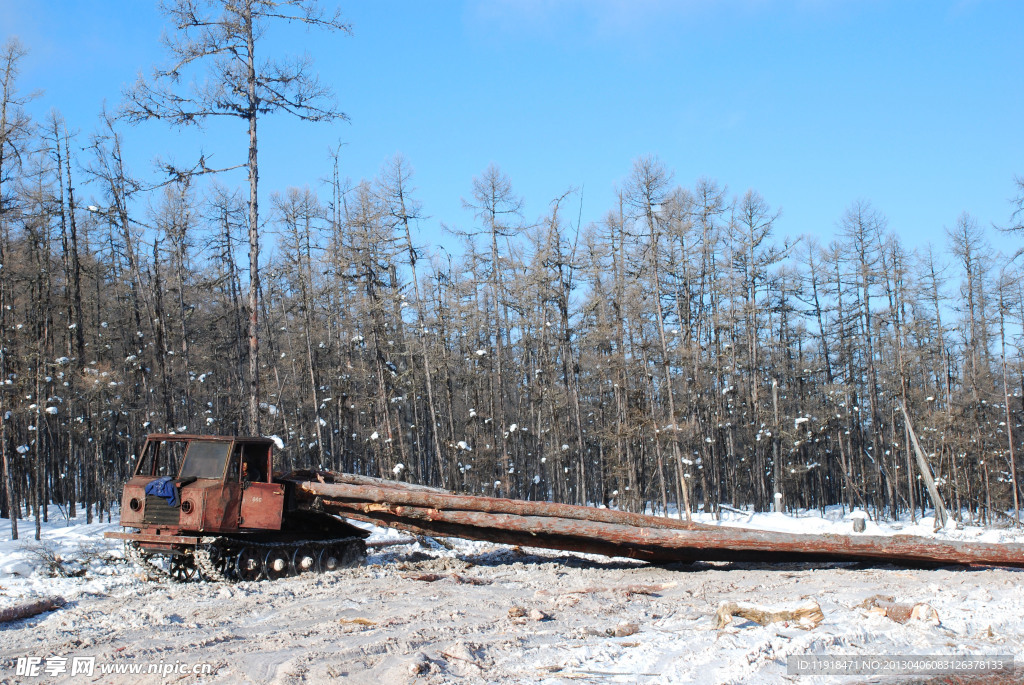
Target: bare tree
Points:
(15, 127)
(223, 36)
(403, 210)
(1005, 287)
(968, 245)
(300, 213)
(15, 124)
(1017, 215)
(498, 207)
(646, 190)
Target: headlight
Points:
(187, 507)
(134, 504)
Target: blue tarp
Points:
(164, 487)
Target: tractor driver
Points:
(251, 471)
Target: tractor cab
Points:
(199, 483)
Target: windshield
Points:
(161, 458)
(205, 459)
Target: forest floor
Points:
(423, 613)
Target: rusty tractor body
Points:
(212, 507)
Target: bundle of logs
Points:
(429, 511)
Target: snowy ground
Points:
(380, 624)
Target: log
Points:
(390, 543)
(424, 511)
(331, 477)
(515, 538)
(926, 473)
(394, 493)
(40, 606)
(711, 543)
(806, 617)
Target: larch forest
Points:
(679, 354)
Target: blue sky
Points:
(916, 106)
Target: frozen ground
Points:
(380, 624)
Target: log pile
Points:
(429, 511)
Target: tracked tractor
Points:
(212, 507)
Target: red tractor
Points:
(212, 506)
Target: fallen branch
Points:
(55, 563)
(356, 621)
(806, 617)
(455, 657)
(926, 473)
(16, 613)
(734, 510)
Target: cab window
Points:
(161, 458)
(205, 459)
(248, 464)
